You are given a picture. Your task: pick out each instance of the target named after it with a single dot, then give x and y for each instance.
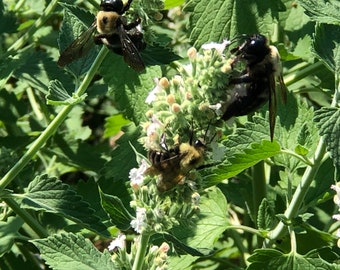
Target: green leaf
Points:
(58, 95)
(172, 3)
(71, 251)
(38, 69)
(295, 21)
(9, 233)
(50, 195)
(303, 49)
(318, 191)
(113, 124)
(76, 153)
(265, 216)
(241, 161)
(158, 55)
(322, 11)
(114, 207)
(327, 45)
(208, 227)
(320, 238)
(115, 174)
(297, 128)
(267, 259)
(83, 15)
(9, 22)
(129, 88)
(214, 20)
(328, 122)
(12, 110)
(71, 29)
(181, 248)
(300, 150)
(75, 125)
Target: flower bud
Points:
(170, 99)
(192, 53)
(164, 82)
(176, 108)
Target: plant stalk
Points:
(53, 126)
(300, 193)
(36, 25)
(141, 251)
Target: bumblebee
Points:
(256, 84)
(172, 165)
(114, 31)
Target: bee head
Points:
(198, 144)
(253, 50)
(112, 5)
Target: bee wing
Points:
(78, 48)
(130, 52)
(272, 106)
(283, 89)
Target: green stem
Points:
(302, 72)
(259, 192)
(293, 243)
(141, 251)
(245, 229)
(53, 126)
(307, 178)
(259, 186)
(34, 104)
(300, 193)
(302, 158)
(36, 227)
(36, 25)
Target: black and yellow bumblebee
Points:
(114, 31)
(172, 165)
(256, 84)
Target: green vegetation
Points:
(74, 141)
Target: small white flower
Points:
(337, 197)
(136, 175)
(195, 198)
(139, 224)
(153, 249)
(336, 217)
(338, 233)
(187, 69)
(219, 47)
(164, 247)
(119, 242)
(153, 93)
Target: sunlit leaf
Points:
(68, 250)
(322, 11)
(328, 122)
(327, 45)
(51, 195)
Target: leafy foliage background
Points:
(64, 178)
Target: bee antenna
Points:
(206, 134)
(206, 131)
(238, 37)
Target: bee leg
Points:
(242, 79)
(127, 6)
(98, 39)
(131, 25)
(111, 41)
(245, 100)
